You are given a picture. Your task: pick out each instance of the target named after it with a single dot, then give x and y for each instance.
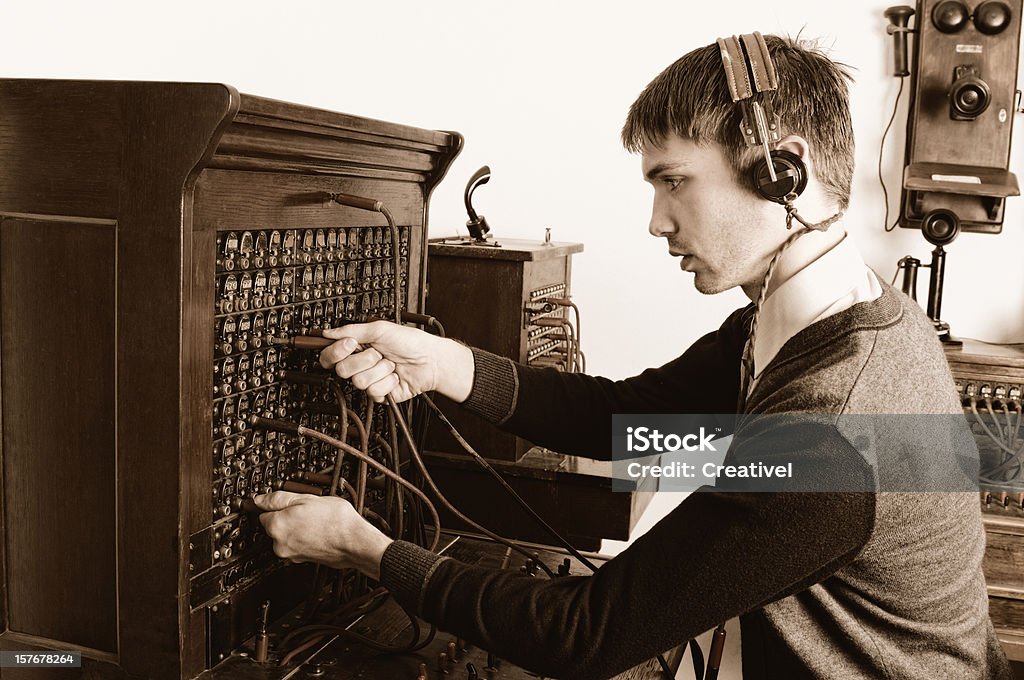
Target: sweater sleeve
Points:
(717, 555)
(571, 412)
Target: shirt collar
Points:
(831, 282)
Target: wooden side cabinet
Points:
(993, 376)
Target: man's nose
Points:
(661, 223)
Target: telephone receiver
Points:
(477, 224)
(899, 28)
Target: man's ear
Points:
(797, 145)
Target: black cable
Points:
(665, 668)
(418, 459)
(482, 462)
(697, 657)
(881, 150)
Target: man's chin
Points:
(708, 285)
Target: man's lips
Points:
(687, 259)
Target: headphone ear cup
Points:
(790, 173)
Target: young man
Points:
(827, 585)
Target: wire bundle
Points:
(1010, 464)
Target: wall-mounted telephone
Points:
(956, 174)
(963, 96)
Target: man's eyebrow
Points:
(662, 167)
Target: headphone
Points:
(781, 175)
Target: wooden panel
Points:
(227, 199)
(1006, 613)
(58, 338)
(1013, 645)
(357, 131)
(480, 302)
(253, 106)
(935, 136)
(92, 669)
(174, 129)
(197, 419)
(1006, 361)
(60, 147)
(1004, 555)
(252, 141)
(197, 379)
(520, 250)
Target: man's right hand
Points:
(399, 361)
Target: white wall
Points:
(539, 89)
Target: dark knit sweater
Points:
(827, 585)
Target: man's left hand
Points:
(322, 529)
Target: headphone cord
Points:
(747, 363)
(792, 214)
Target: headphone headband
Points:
(749, 73)
(747, 58)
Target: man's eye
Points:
(673, 183)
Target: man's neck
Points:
(803, 251)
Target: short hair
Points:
(691, 99)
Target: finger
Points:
(363, 333)
(383, 387)
(378, 371)
(357, 363)
(334, 353)
(278, 500)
